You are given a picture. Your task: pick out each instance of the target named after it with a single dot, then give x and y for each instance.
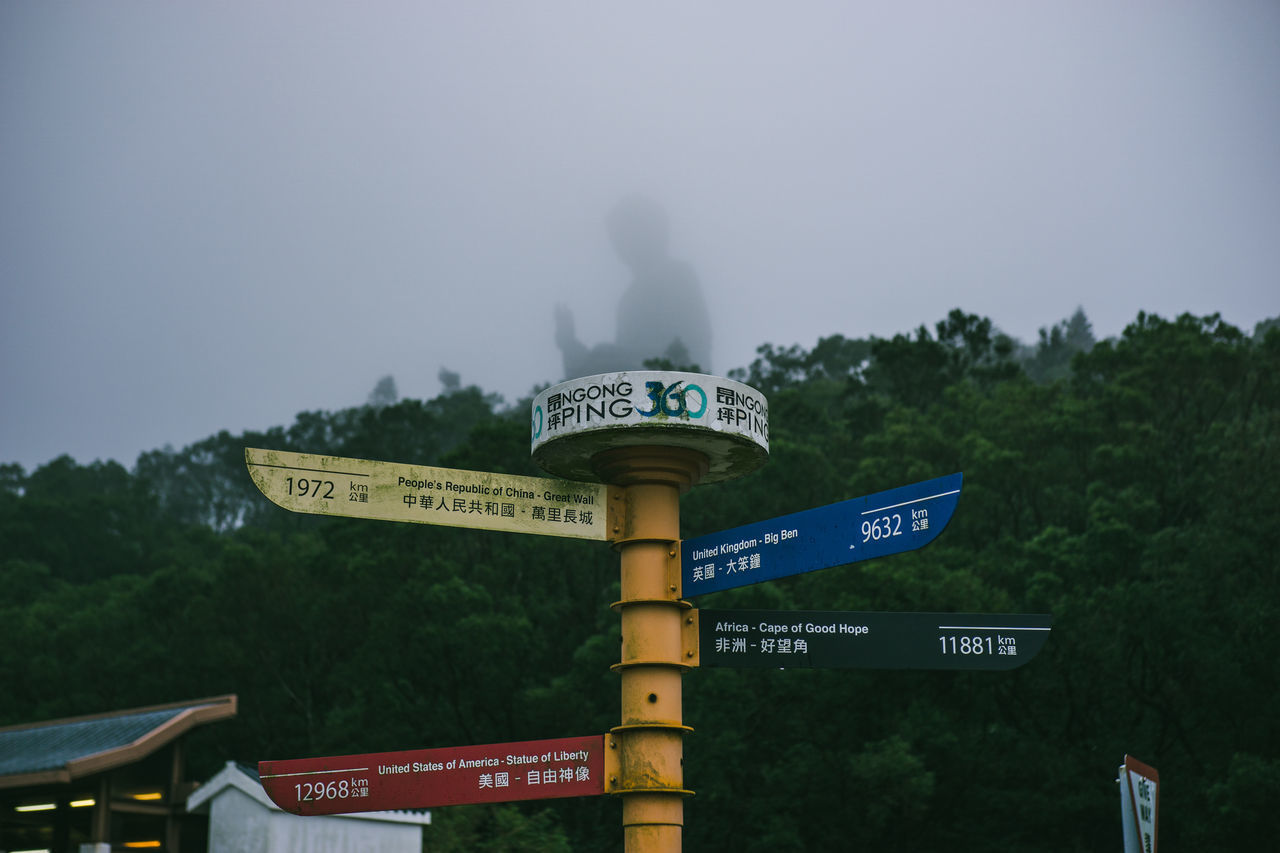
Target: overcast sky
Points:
(215, 215)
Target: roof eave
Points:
(204, 711)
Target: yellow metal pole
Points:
(650, 739)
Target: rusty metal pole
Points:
(649, 741)
(651, 435)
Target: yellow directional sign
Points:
(392, 491)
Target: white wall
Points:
(240, 824)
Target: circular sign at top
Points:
(723, 419)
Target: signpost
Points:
(1139, 803)
(781, 639)
(656, 434)
(891, 522)
(425, 778)
(641, 438)
(392, 491)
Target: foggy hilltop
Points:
(218, 216)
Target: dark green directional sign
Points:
(861, 640)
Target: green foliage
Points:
(1264, 328)
(1127, 487)
(501, 829)
(81, 521)
(205, 482)
(1051, 359)
(384, 393)
(775, 369)
(1241, 803)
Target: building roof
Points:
(245, 780)
(55, 751)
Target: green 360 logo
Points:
(673, 401)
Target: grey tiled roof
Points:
(42, 747)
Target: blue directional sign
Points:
(891, 522)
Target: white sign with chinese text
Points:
(1139, 802)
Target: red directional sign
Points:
(426, 778)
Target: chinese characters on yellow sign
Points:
(392, 491)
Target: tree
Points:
(1264, 327)
(1133, 499)
(450, 381)
(1051, 359)
(384, 393)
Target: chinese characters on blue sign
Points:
(891, 522)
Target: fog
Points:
(217, 215)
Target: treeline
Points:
(1127, 487)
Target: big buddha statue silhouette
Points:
(661, 314)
